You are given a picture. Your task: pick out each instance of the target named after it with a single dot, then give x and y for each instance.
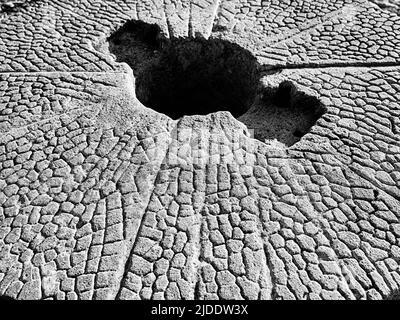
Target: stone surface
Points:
(104, 198)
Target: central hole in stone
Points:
(187, 76)
(197, 76)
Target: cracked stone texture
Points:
(101, 198)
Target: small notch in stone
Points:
(285, 95)
(219, 28)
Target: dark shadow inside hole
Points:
(186, 76)
(197, 76)
(136, 33)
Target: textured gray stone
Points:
(102, 197)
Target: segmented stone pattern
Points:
(100, 200)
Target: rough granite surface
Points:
(104, 198)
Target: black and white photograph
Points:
(199, 150)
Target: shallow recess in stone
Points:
(283, 113)
(197, 76)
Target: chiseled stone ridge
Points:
(296, 197)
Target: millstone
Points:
(204, 149)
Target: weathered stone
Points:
(235, 181)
